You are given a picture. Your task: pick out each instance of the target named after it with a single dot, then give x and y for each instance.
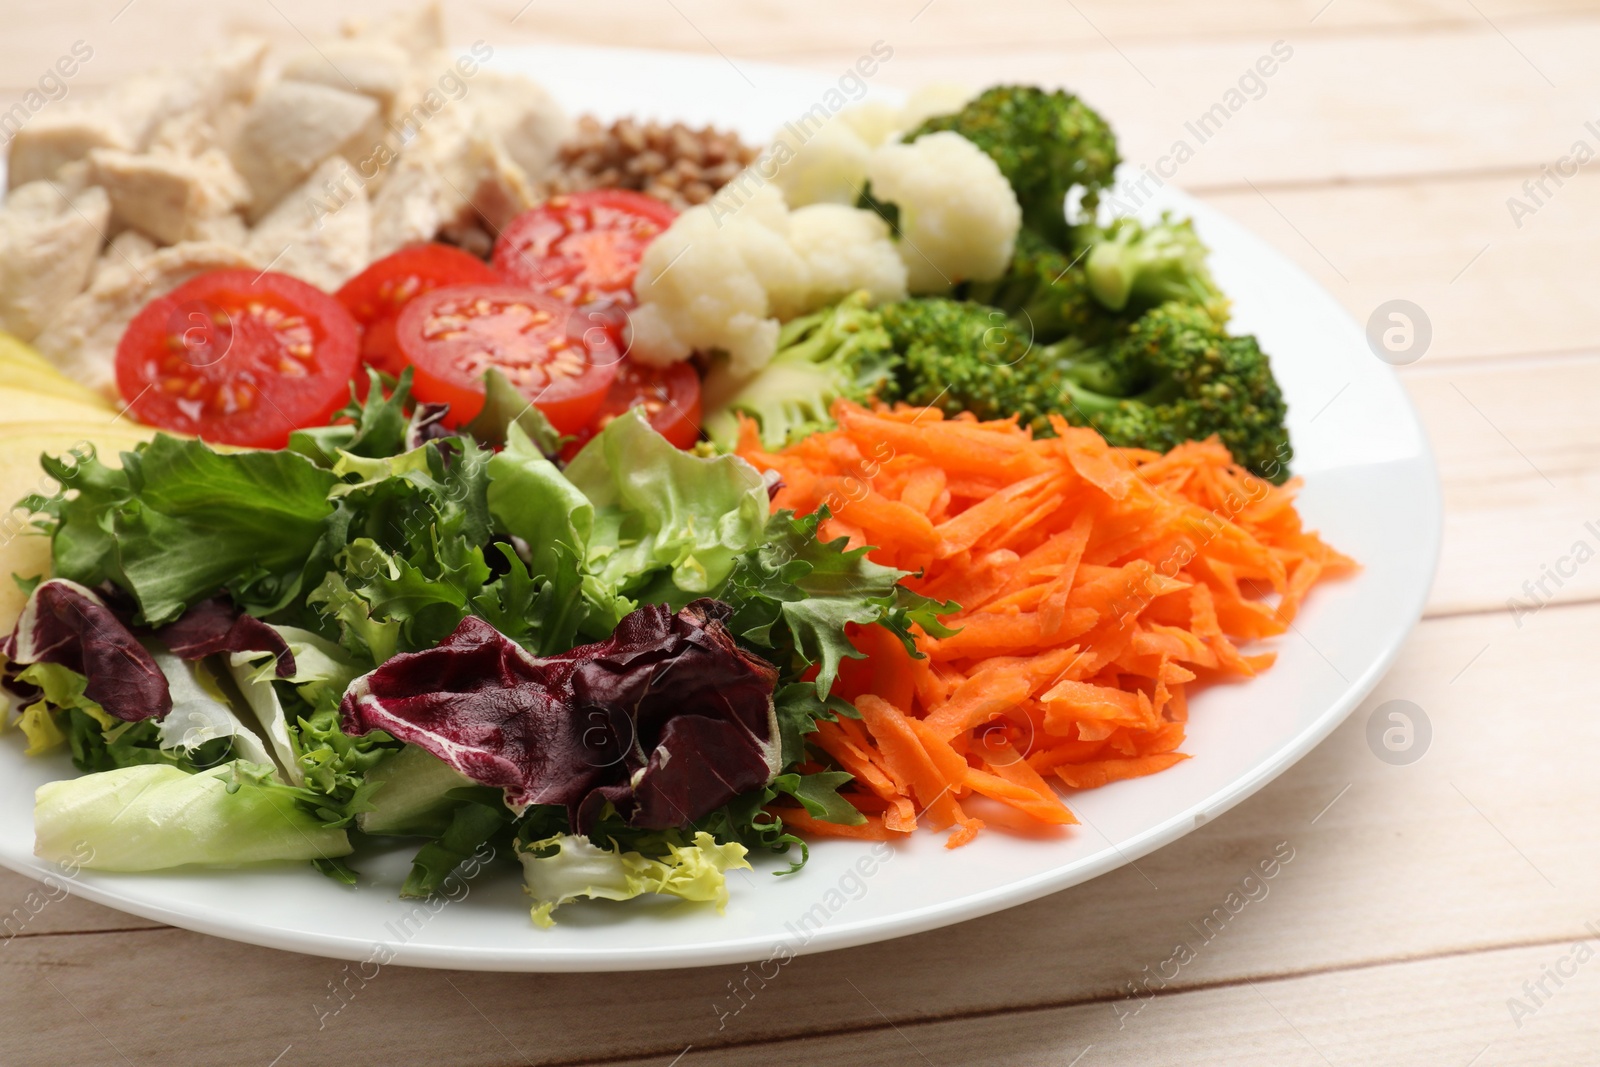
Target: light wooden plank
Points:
(767, 29)
(1518, 447)
(1488, 285)
(30, 909)
(1448, 854)
(1343, 106)
(1449, 1012)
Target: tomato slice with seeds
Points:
(584, 247)
(670, 397)
(560, 358)
(239, 358)
(376, 296)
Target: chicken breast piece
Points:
(229, 229)
(409, 207)
(122, 119)
(321, 232)
(290, 129)
(127, 115)
(233, 72)
(518, 112)
(454, 174)
(427, 187)
(372, 68)
(168, 196)
(498, 190)
(196, 92)
(418, 32)
(55, 138)
(121, 256)
(48, 246)
(81, 339)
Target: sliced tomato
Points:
(582, 248)
(376, 296)
(670, 397)
(557, 356)
(239, 358)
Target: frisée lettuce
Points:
(564, 868)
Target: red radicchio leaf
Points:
(668, 718)
(215, 625)
(65, 624)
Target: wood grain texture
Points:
(35, 909)
(1489, 285)
(1518, 447)
(129, 37)
(1464, 851)
(1449, 1011)
(1432, 101)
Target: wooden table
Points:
(1434, 913)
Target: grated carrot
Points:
(1095, 585)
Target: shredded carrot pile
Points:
(1094, 585)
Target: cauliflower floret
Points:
(874, 121)
(827, 167)
(958, 215)
(828, 164)
(845, 249)
(711, 279)
(938, 98)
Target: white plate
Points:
(1370, 488)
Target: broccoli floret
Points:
(958, 355)
(839, 352)
(1188, 380)
(1048, 292)
(1095, 292)
(1135, 266)
(1045, 143)
(1172, 375)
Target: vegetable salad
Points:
(889, 481)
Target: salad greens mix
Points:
(429, 638)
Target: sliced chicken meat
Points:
(168, 196)
(321, 232)
(48, 244)
(291, 128)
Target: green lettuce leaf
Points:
(668, 525)
(412, 797)
(202, 715)
(541, 604)
(99, 742)
(479, 815)
(560, 869)
(180, 521)
(332, 767)
(412, 560)
(819, 795)
(62, 692)
(504, 407)
(797, 593)
(373, 427)
(799, 708)
(152, 817)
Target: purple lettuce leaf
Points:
(668, 718)
(215, 625)
(65, 624)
